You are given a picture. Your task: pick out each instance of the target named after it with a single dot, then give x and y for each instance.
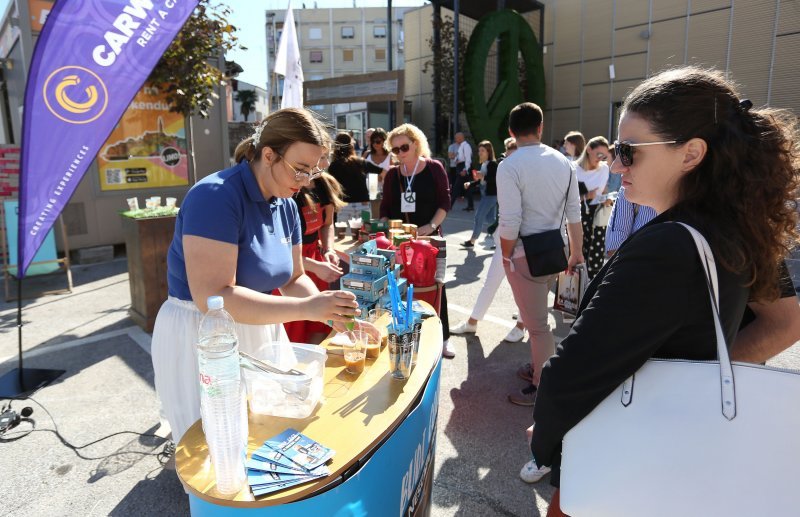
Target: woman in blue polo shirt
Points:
(238, 235)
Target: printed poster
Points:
(148, 147)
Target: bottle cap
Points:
(215, 302)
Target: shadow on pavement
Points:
(488, 434)
(160, 494)
(77, 359)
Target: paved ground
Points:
(108, 388)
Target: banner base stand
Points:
(21, 383)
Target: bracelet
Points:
(506, 259)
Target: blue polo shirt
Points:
(228, 206)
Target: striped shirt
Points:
(626, 218)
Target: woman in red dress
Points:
(317, 204)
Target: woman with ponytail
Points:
(238, 235)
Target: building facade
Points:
(596, 51)
(336, 42)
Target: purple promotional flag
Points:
(90, 60)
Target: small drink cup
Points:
(372, 346)
(156, 201)
(341, 229)
(381, 319)
(133, 203)
(171, 202)
(355, 354)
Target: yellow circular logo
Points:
(75, 94)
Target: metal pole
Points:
(437, 78)
(456, 33)
(389, 45)
(389, 42)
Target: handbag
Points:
(544, 251)
(601, 216)
(684, 437)
(570, 289)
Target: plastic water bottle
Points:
(221, 396)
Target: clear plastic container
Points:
(291, 395)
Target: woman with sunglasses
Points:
(592, 172)
(417, 191)
(697, 153)
(351, 171)
(238, 236)
(378, 154)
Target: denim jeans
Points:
(484, 213)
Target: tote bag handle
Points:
(727, 385)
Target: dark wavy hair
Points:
(747, 183)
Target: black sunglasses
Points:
(624, 150)
(403, 148)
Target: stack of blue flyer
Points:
(286, 460)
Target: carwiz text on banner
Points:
(90, 60)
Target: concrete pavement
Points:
(108, 388)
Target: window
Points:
(348, 33)
(314, 33)
(379, 31)
(380, 54)
(315, 56)
(347, 54)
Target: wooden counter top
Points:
(355, 414)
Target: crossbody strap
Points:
(566, 197)
(564, 212)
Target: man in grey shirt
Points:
(534, 191)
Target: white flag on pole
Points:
(288, 64)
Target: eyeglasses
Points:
(402, 149)
(309, 175)
(624, 150)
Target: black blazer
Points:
(649, 300)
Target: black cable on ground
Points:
(163, 455)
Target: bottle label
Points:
(210, 387)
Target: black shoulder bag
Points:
(545, 251)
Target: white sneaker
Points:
(447, 349)
(464, 328)
(530, 473)
(514, 335)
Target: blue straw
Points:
(410, 294)
(392, 286)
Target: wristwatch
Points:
(434, 226)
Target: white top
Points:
(385, 164)
(453, 148)
(594, 180)
(531, 189)
(464, 154)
